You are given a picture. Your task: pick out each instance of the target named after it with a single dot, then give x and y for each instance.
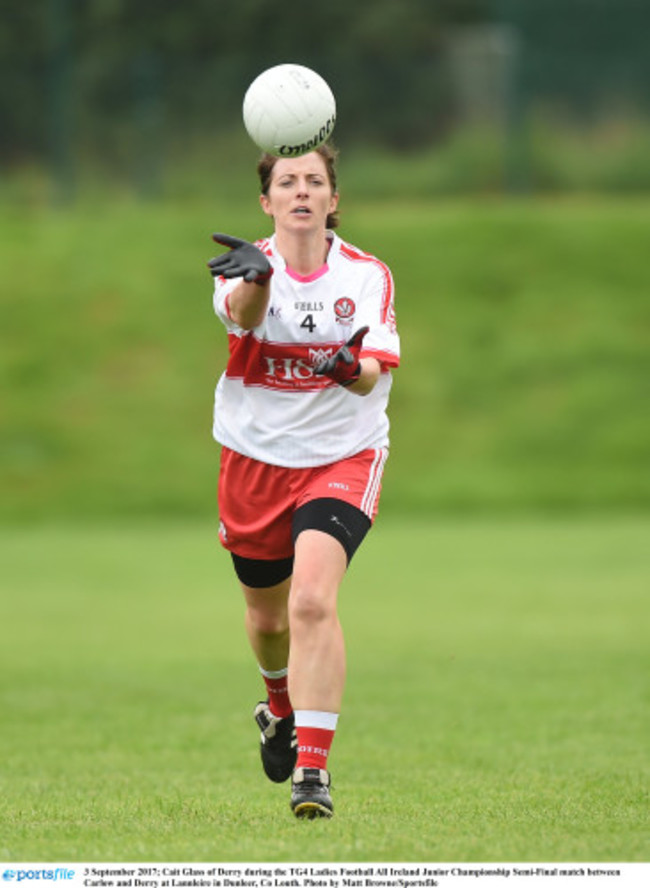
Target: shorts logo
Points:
(223, 533)
(336, 520)
(344, 309)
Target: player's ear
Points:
(334, 202)
(265, 203)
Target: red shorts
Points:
(257, 500)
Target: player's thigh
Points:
(320, 563)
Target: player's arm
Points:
(370, 370)
(248, 302)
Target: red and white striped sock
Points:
(278, 691)
(315, 733)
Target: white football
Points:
(289, 110)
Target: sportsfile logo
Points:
(37, 875)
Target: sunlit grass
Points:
(495, 706)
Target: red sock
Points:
(315, 733)
(278, 691)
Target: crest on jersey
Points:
(344, 309)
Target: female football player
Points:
(300, 412)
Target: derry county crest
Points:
(344, 309)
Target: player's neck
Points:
(305, 254)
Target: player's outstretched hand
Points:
(243, 260)
(344, 366)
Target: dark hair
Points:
(329, 154)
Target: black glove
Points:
(344, 366)
(243, 260)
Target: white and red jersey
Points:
(269, 405)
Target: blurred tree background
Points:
(495, 152)
(135, 88)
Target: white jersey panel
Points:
(269, 405)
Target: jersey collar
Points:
(315, 275)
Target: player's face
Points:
(300, 195)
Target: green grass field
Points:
(496, 708)
(497, 702)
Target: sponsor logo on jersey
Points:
(308, 306)
(291, 371)
(286, 369)
(284, 366)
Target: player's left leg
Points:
(327, 532)
(316, 666)
(317, 657)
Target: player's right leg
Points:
(266, 618)
(255, 526)
(267, 627)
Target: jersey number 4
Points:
(308, 323)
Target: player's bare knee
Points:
(267, 623)
(309, 604)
